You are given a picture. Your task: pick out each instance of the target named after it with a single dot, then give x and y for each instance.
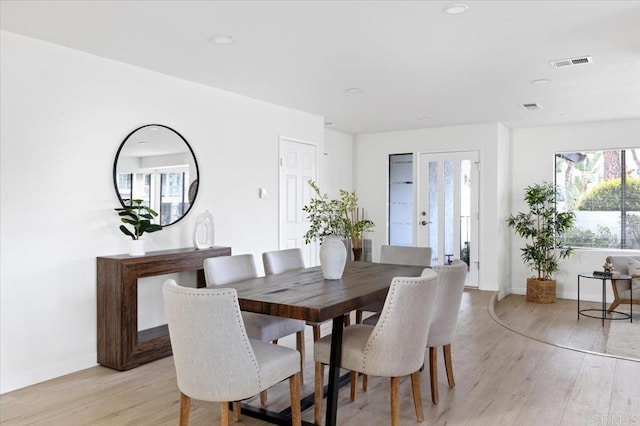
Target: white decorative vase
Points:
(203, 232)
(136, 248)
(333, 257)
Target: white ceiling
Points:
(417, 66)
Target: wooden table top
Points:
(304, 293)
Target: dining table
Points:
(304, 294)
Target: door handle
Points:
(425, 223)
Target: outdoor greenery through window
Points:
(603, 189)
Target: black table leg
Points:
(578, 297)
(334, 371)
(604, 300)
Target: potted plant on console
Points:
(543, 227)
(138, 216)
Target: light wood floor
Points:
(502, 377)
(557, 322)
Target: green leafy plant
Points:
(355, 223)
(139, 216)
(606, 196)
(578, 237)
(465, 253)
(543, 227)
(334, 217)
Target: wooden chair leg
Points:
(433, 374)
(185, 408)
(365, 382)
(275, 342)
(395, 401)
(448, 365)
(224, 414)
(347, 320)
(236, 411)
(263, 398)
(318, 393)
(613, 305)
(294, 389)
(358, 317)
(316, 333)
(300, 348)
(354, 385)
(417, 395)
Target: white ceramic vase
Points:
(333, 257)
(203, 232)
(136, 248)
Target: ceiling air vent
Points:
(532, 107)
(562, 63)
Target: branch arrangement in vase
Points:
(355, 222)
(335, 217)
(138, 216)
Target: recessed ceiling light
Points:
(142, 142)
(533, 106)
(221, 39)
(456, 8)
(353, 90)
(540, 81)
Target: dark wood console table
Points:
(120, 345)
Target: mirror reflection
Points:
(157, 165)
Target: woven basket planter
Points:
(541, 291)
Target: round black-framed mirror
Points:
(156, 164)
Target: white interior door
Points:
(448, 215)
(298, 164)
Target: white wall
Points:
(337, 162)
(503, 202)
(491, 140)
(533, 161)
(63, 115)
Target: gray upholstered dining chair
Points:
(449, 291)
(398, 255)
(267, 328)
(451, 280)
(214, 358)
(402, 255)
(394, 347)
(279, 261)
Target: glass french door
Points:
(448, 208)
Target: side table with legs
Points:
(603, 311)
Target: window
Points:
(603, 189)
(125, 184)
(164, 190)
(173, 196)
(401, 199)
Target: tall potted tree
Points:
(542, 227)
